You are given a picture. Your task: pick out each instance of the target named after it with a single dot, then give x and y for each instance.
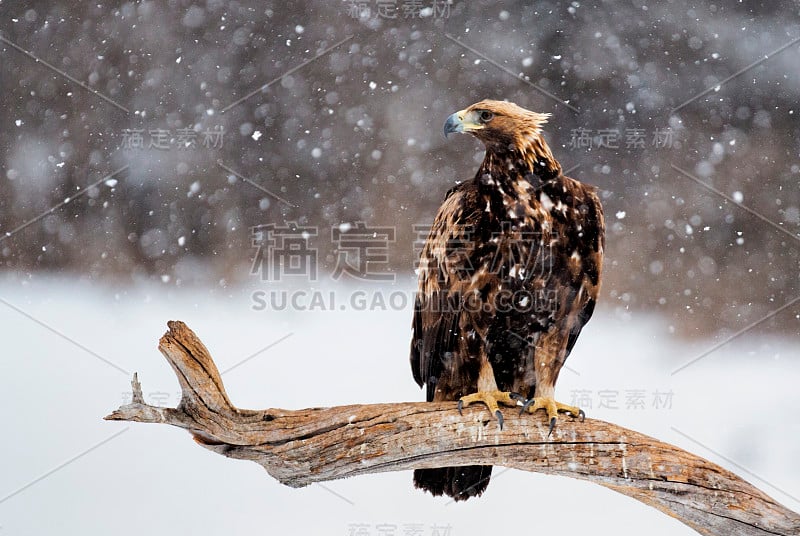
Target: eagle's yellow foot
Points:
(552, 408)
(491, 399)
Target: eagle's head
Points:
(498, 124)
(512, 136)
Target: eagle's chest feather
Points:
(518, 229)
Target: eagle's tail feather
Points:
(460, 483)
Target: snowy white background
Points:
(741, 401)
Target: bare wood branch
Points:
(318, 444)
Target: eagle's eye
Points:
(486, 116)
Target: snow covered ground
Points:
(69, 348)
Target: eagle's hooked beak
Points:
(453, 124)
(461, 121)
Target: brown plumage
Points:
(508, 277)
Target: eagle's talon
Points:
(552, 408)
(552, 426)
(460, 407)
(492, 399)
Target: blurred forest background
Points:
(650, 102)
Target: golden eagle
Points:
(508, 277)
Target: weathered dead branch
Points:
(319, 444)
